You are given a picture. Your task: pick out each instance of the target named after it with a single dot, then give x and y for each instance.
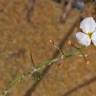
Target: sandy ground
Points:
(18, 36)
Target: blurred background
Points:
(26, 27)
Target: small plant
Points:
(88, 26)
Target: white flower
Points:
(88, 26)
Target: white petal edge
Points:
(94, 38)
(88, 25)
(83, 39)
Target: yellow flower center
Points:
(90, 35)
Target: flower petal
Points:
(83, 38)
(88, 25)
(94, 38)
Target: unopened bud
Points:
(69, 42)
(88, 62)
